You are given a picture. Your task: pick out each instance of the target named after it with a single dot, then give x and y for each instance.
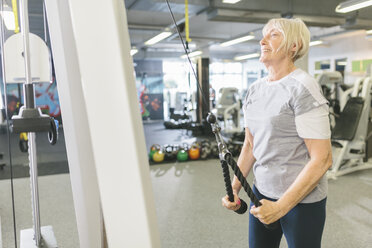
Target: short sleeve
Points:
(245, 109)
(314, 124)
(307, 95)
(250, 91)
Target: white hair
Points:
(294, 32)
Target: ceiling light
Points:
(236, 41)
(248, 56)
(369, 31)
(193, 54)
(158, 38)
(133, 51)
(352, 5)
(316, 43)
(8, 17)
(230, 1)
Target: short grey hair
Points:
(294, 31)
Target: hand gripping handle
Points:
(226, 175)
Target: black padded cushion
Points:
(347, 123)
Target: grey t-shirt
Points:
(270, 109)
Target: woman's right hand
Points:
(231, 205)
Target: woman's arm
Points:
(320, 152)
(245, 161)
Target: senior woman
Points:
(287, 143)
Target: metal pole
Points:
(34, 188)
(29, 100)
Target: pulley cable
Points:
(188, 57)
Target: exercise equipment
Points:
(23, 142)
(185, 147)
(182, 155)
(154, 148)
(205, 149)
(169, 154)
(214, 150)
(158, 156)
(20, 51)
(228, 109)
(194, 151)
(350, 134)
(335, 91)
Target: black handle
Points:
(226, 175)
(243, 207)
(53, 132)
(247, 187)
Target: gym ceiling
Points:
(213, 22)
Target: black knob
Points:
(211, 118)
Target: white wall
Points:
(352, 45)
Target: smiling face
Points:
(284, 40)
(272, 50)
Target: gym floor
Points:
(188, 201)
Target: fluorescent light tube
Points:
(315, 43)
(230, 1)
(193, 54)
(9, 20)
(369, 32)
(158, 38)
(248, 56)
(352, 5)
(133, 51)
(236, 41)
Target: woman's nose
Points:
(262, 41)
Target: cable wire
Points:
(187, 55)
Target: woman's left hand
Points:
(268, 212)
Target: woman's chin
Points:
(263, 59)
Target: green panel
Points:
(355, 65)
(318, 65)
(366, 63)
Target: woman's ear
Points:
(294, 47)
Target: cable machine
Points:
(26, 60)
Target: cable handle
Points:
(247, 188)
(226, 175)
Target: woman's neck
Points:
(279, 71)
